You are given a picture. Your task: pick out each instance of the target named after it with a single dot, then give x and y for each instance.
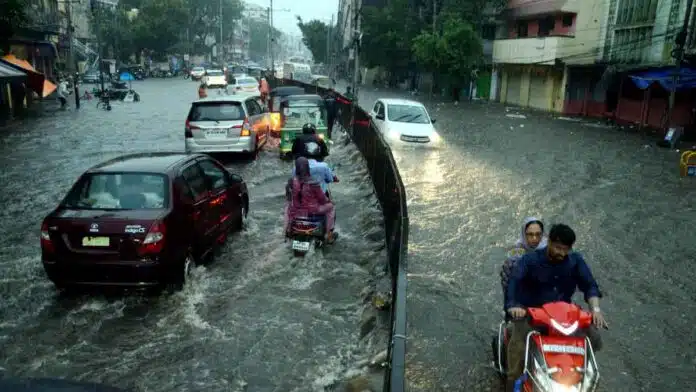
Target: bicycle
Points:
(104, 101)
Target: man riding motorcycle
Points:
(544, 276)
(309, 144)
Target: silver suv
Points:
(237, 123)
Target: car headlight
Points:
(435, 138)
(393, 134)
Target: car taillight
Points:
(46, 243)
(187, 129)
(245, 127)
(154, 240)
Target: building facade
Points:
(36, 42)
(538, 44)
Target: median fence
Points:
(392, 196)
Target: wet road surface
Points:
(634, 219)
(254, 320)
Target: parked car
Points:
(227, 123)
(245, 84)
(215, 78)
(142, 220)
(402, 121)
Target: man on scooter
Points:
(309, 140)
(544, 276)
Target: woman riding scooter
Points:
(305, 198)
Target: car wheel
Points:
(241, 221)
(180, 276)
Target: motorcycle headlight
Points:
(542, 376)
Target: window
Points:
(380, 110)
(567, 20)
(376, 108)
(217, 111)
(252, 107)
(546, 26)
(214, 72)
(247, 81)
(216, 175)
(522, 29)
(119, 191)
(488, 32)
(408, 114)
(263, 107)
(196, 182)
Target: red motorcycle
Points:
(555, 360)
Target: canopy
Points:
(686, 80)
(36, 80)
(8, 72)
(126, 76)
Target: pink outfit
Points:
(307, 198)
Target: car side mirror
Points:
(235, 178)
(432, 121)
(379, 116)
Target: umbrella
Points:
(126, 76)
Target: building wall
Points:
(548, 96)
(587, 28)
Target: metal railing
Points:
(391, 194)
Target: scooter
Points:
(556, 360)
(307, 230)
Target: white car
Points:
(215, 78)
(197, 73)
(404, 122)
(244, 84)
(227, 123)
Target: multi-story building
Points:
(78, 14)
(36, 42)
(537, 45)
(252, 13)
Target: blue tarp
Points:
(686, 81)
(126, 77)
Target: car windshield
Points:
(119, 191)
(247, 81)
(298, 115)
(407, 114)
(198, 69)
(217, 111)
(214, 72)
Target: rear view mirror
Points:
(432, 121)
(235, 178)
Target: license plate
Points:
(300, 245)
(216, 133)
(95, 241)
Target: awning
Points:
(7, 72)
(36, 80)
(685, 81)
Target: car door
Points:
(204, 220)
(378, 115)
(224, 205)
(256, 122)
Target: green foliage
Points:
(455, 52)
(12, 17)
(164, 26)
(258, 37)
(388, 33)
(314, 36)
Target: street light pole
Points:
(678, 54)
(356, 48)
(220, 58)
(271, 37)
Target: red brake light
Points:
(188, 127)
(46, 243)
(154, 240)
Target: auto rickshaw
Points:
(274, 98)
(295, 112)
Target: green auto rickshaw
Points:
(295, 112)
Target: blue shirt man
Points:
(536, 280)
(321, 173)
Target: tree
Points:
(12, 17)
(203, 20)
(455, 52)
(258, 37)
(314, 36)
(388, 34)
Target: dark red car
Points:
(142, 220)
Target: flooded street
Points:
(256, 319)
(622, 195)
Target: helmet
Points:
(309, 128)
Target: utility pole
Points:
(270, 9)
(270, 35)
(678, 54)
(328, 45)
(220, 55)
(356, 48)
(432, 81)
(71, 48)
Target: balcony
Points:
(537, 50)
(43, 17)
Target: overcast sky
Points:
(286, 21)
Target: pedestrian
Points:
(77, 90)
(63, 93)
(201, 91)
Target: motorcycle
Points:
(555, 361)
(305, 230)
